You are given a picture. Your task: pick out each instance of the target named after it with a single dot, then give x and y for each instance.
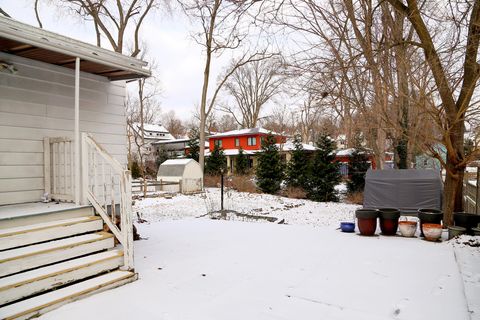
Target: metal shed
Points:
(180, 175)
(406, 189)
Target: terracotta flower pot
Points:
(429, 216)
(367, 221)
(432, 231)
(407, 228)
(466, 220)
(389, 220)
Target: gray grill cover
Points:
(406, 189)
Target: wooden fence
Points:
(471, 192)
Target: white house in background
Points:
(62, 137)
(151, 133)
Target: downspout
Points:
(77, 131)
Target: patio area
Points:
(205, 269)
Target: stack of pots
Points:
(430, 216)
(389, 220)
(466, 220)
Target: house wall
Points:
(229, 142)
(38, 101)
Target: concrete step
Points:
(46, 231)
(25, 284)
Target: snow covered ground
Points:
(208, 269)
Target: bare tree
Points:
(455, 93)
(113, 19)
(222, 29)
(226, 123)
(252, 86)
(173, 124)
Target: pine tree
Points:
(357, 168)
(297, 167)
(161, 157)
(242, 162)
(324, 173)
(193, 144)
(215, 162)
(270, 167)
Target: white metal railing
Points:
(59, 168)
(107, 186)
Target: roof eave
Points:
(21, 32)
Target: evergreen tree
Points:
(215, 162)
(193, 144)
(135, 170)
(324, 173)
(297, 167)
(270, 167)
(357, 168)
(242, 162)
(161, 157)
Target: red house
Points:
(250, 140)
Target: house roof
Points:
(244, 132)
(152, 127)
(27, 41)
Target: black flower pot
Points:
(466, 220)
(429, 216)
(389, 220)
(367, 221)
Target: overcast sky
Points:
(180, 61)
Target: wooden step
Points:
(35, 233)
(17, 216)
(37, 255)
(27, 283)
(38, 305)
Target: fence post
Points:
(477, 196)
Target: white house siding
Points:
(38, 102)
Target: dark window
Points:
(218, 143)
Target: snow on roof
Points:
(152, 127)
(171, 162)
(243, 132)
(289, 146)
(345, 152)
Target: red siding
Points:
(229, 142)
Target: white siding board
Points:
(38, 102)
(56, 88)
(20, 196)
(22, 107)
(20, 145)
(28, 121)
(12, 172)
(9, 185)
(20, 159)
(19, 94)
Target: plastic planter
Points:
(347, 226)
(466, 220)
(389, 220)
(367, 221)
(455, 231)
(429, 216)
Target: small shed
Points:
(405, 189)
(180, 175)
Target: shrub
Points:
(270, 167)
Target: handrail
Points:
(106, 184)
